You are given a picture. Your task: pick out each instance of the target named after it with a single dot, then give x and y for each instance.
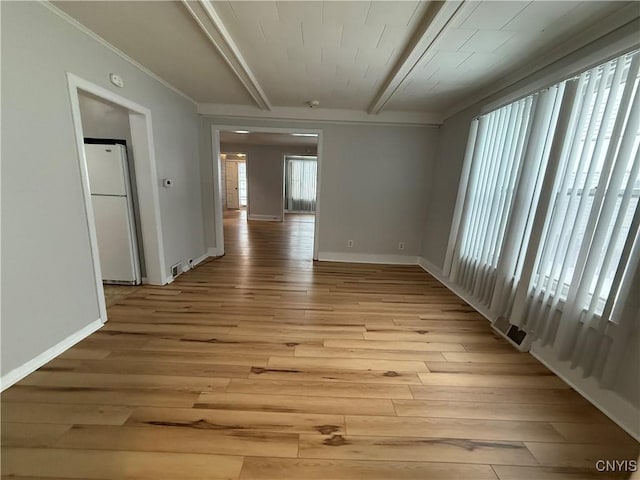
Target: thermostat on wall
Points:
(116, 80)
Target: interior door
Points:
(233, 196)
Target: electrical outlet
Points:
(349, 243)
(401, 246)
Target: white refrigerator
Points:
(113, 212)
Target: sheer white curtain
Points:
(506, 150)
(300, 183)
(587, 222)
(545, 230)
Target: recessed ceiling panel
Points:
(488, 40)
(337, 52)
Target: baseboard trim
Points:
(367, 258)
(625, 415)
(200, 259)
(31, 366)
(265, 218)
(215, 252)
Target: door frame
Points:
(146, 181)
(217, 187)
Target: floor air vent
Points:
(175, 270)
(513, 333)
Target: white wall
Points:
(265, 175)
(48, 287)
(444, 186)
(374, 182)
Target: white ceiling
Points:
(164, 38)
(489, 41)
(346, 54)
(336, 52)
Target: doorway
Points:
(263, 167)
(142, 147)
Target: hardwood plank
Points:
(508, 381)
(319, 389)
(305, 469)
(116, 465)
(184, 439)
(499, 411)
(152, 329)
(30, 434)
(64, 414)
(77, 353)
(422, 427)
(414, 449)
(285, 333)
(432, 337)
(390, 377)
(395, 345)
(479, 369)
(154, 366)
(498, 347)
(217, 346)
(593, 433)
(298, 325)
(112, 380)
(502, 395)
(209, 419)
(579, 454)
(191, 357)
(348, 364)
(487, 357)
(319, 352)
(295, 404)
(99, 396)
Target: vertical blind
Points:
(300, 183)
(545, 230)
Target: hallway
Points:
(263, 364)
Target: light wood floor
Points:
(114, 294)
(265, 365)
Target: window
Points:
(546, 223)
(300, 183)
(242, 183)
(596, 193)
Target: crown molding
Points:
(211, 24)
(330, 115)
(606, 39)
(435, 20)
(73, 22)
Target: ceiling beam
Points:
(433, 23)
(211, 24)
